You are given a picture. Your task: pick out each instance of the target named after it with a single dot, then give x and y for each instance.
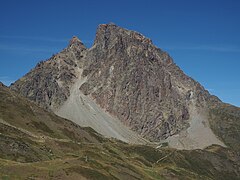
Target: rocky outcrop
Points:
(50, 81)
(1, 84)
(139, 83)
(127, 76)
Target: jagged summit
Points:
(75, 40)
(76, 44)
(50, 81)
(128, 44)
(107, 33)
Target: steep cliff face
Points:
(124, 78)
(139, 83)
(50, 81)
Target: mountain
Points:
(127, 88)
(37, 144)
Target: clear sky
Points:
(203, 37)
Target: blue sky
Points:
(203, 37)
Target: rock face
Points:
(129, 78)
(139, 83)
(50, 81)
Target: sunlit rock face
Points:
(127, 76)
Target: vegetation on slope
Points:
(225, 122)
(36, 144)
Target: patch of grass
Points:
(17, 150)
(192, 162)
(42, 126)
(225, 122)
(143, 161)
(88, 173)
(5, 178)
(149, 153)
(94, 134)
(69, 133)
(70, 146)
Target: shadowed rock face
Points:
(127, 76)
(1, 84)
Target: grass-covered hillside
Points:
(36, 144)
(225, 122)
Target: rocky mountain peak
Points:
(74, 40)
(50, 81)
(109, 34)
(125, 75)
(77, 43)
(128, 45)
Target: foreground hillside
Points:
(36, 144)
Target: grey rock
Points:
(139, 83)
(127, 76)
(50, 81)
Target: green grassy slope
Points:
(225, 122)
(36, 144)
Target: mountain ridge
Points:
(126, 76)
